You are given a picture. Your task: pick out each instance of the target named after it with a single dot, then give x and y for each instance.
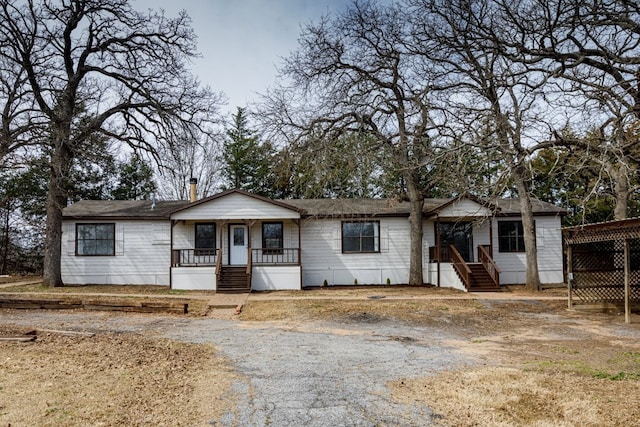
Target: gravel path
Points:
(312, 374)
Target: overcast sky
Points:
(242, 41)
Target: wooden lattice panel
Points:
(598, 271)
(608, 231)
(600, 294)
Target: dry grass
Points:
(363, 290)
(106, 289)
(111, 380)
(465, 317)
(505, 396)
(13, 279)
(310, 309)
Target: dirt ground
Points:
(539, 364)
(543, 365)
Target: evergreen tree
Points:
(247, 163)
(135, 180)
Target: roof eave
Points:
(237, 191)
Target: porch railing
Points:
(460, 266)
(444, 253)
(269, 256)
(193, 257)
(489, 264)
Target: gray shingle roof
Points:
(391, 207)
(141, 209)
(138, 209)
(512, 207)
(350, 207)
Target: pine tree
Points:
(247, 163)
(135, 181)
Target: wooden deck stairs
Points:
(481, 281)
(233, 280)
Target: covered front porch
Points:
(460, 237)
(215, 247)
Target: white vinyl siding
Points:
(512, 265)
(464, 208)
(322, 257)
(235, 207)
(137, 260)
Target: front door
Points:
(239, 243)
(458, 234)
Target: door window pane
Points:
(238, 236)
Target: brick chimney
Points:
(193, 187)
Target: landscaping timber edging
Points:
(175, 307)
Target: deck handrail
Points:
(489, 264)
(460, 266)
(218, 266)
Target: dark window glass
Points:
(95, 239)
(272, 236)
(360, 237)
(460, 235)
(205, 237)
(510, 236)
(238, 236)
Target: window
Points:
(360, 237)
(510, 236)
(272, 240)
(95, 239)
(205, 238)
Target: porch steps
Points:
(481, 281)
(233, 280)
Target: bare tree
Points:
(196, 156)
(100, 67)
(352, 74)
(18, 120)
(493, 98)
(594, 47)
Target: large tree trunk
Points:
(416, 201)
(5, 239)
(622, 193)
(56, 201)
(528, 227)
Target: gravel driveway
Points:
(312, 374)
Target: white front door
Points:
(239, 242)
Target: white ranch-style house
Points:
(238, 241)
